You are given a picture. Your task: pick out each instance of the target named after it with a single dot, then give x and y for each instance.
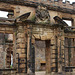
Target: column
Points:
(60, 50)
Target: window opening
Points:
(6, 50)
(9, 50)
(69, 22)
(3, 14)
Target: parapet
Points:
(58, 3)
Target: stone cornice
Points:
(35, 4)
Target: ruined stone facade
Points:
(30, 21)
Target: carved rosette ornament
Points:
(42, 15)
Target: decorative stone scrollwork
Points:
(42, 15)
(22, 17)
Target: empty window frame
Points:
(6, 48)
(4, 14)
(68, 21)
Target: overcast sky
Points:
(70, 1)
(4, 14)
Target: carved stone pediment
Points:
(42, 15)
(23, 17)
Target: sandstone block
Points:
(20, 40)
(53, 47)
(20, 35)
(49, 36)
(22, 66)
(7, 28)
(53, 56)
(53, 65)
(18, 51)
(2, 28)
(53, 60)
(22, 46)
(53, 41)
(22, 51)
(36, 36)
(43, 37)
(53, 51)
(62, 47)
(22, 55)
(11, 29)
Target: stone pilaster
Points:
(60, 50)
(20, 50)
(54, 53)
(48, 57)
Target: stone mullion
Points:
(20, 50)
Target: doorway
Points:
(42, 57)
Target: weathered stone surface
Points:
(53, 60)
(43, 37)
(39, 54)
(53, 47)
(20, 46)
(18, 51)
(53, 56)
(37, 36)
(22, 65)
(39, 31)
(23, 51)
(20, 35)
(1, 56)
(20, 40)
